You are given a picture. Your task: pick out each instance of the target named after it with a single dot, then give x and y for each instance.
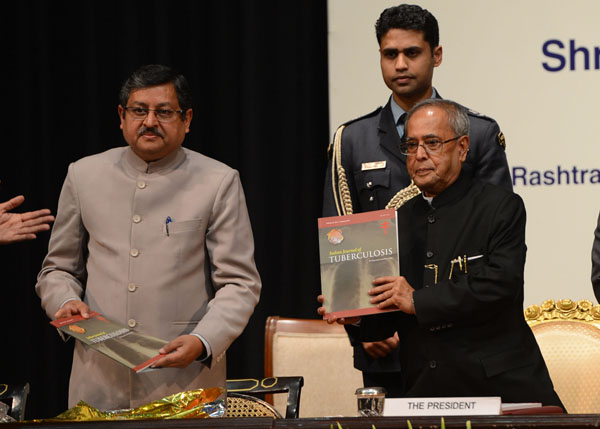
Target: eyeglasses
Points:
(431, 146)
(163, 115)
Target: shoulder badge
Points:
(501, 140)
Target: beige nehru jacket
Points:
(109, 246)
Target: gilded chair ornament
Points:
(563, 309)
(568, 334)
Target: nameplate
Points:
(477, 406)
(375, 165)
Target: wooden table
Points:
(479, 422)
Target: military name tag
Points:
(375, 165)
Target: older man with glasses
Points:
(460, 293)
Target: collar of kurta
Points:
(163, 165)
(454, 192)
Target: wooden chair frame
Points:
(276, 324)
(282, 324)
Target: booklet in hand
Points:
(354, 250)
(132, 349)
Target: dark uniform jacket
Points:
(374, 137)
(469, 336)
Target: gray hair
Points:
(458, 119)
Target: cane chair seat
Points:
(240, 405)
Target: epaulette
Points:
(479, 115)
(368, 115)
(345, 124)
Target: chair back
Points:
(568, 334)
(250, 386)
(322, 354)
(15, 396)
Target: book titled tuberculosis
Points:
(132, 349)
(354, 250)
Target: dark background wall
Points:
(258, 70)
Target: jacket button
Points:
(136, 218)
(429, 254)
(134, 252)
(131, 323)
(432, 364)
(371, 198)
(369, 185)
(431, 219)
(131, 287)
(141, 184)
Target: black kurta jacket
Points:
(374, 138)
(469, 336)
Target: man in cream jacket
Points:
(157, 237)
